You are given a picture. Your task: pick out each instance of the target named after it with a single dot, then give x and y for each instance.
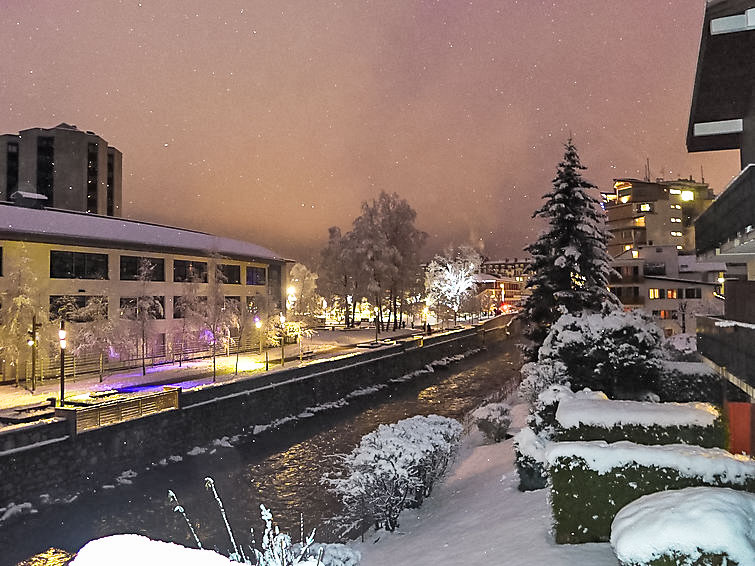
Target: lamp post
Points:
(283, 339)
(258, 326)
(63, 344)
(376, 325)
(32, 341)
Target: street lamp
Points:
(283, 339)
(63, 344)
(258, 326)
(32, 341)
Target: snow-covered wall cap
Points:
(690, 461)
(57, 226)
(683, 522)
(609, 413)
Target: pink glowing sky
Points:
(271, 121)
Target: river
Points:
(281, 469)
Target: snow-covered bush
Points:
(493, 420)
(689, 381)
(395, 467)
(531, 465)
(537, 377)
(330, 554)
(696, 525)
(604, 477)
(616, 352)
(681, 348)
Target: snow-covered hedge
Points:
(493, 420)
(530, 442)
(617, 352)
(696, 525)
(591, 481)
(583, 418)
(395, 467)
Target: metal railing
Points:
(113, 412)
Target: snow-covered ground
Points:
(477, 517)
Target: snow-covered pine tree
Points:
(570, 265)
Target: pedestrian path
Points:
(193, 373)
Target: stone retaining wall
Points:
(61, 462)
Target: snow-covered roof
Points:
(78, 228)
(28, 195)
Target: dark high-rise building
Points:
(71, 169)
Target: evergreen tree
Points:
(570, 265)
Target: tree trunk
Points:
(214, 347)
(144, 350)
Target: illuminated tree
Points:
(449, 278)
(570, 266)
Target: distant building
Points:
(71, 169)
(672, 289)
(660, 213)
(76, 257)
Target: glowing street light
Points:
(283, 339)
(63, 344)
(258, 325)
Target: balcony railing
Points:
(728, 344)
(730, 217)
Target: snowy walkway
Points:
(194, 373)
(477, 517)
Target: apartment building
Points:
(62, 167)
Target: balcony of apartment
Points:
(727, 228)
(729, 341)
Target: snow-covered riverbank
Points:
(477, 517)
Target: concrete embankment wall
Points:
(51, 459)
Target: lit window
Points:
(627, 247)
(635, 254)
(688, 196)
(676, 206)
(675, 191)
(671, 294)
(654, 293)
(676, 220)
(624, 199)
(678, 247)
(645, 207)
(678, 234)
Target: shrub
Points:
(395, 467)
(700, 424)
(591, 481)
(529, 450)
(616, 352)
(493, 420)
(692, 526)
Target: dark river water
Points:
(281, 469)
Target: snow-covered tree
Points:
(449, 278)
(338, 279)
(217, 317)
(143, 309)
(570, 266)
(20, 303)
(188, 310)
(303, 283)
(96, 333)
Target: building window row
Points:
(676, 233)
(84, 265)
(679, 293)
(78, 265)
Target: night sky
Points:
(271, 121)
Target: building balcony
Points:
(729, 345)
(626, 279)
(727, 227)
(633, 301)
